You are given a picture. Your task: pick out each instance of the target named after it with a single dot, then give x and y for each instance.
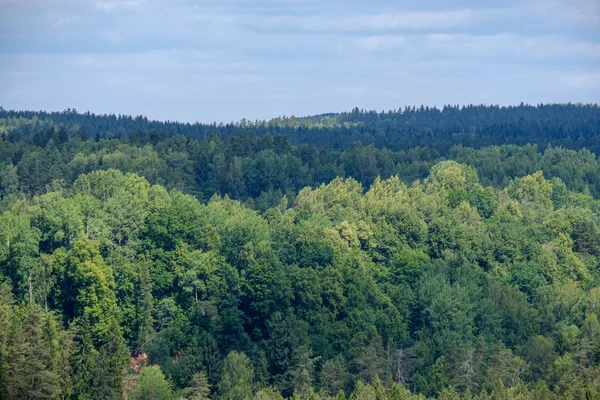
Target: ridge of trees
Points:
(259, 167)
(567, 125)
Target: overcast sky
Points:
(223, 60)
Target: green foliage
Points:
(112, 362)
(152, 385)
(363, 392)
(334, 376)
(33, 363)
(389, 282)
(200, 389)
(237, 378)
(91, 282)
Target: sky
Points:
(224, 60)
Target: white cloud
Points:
(66, 20)
(511, 46)
(409, 20)
(176, 61)
(114, 37)
(86, 61)
(382, 42)
(585, 81)
(566, 11)
(112, 6)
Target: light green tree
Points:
(200, 389)
(237, 377)
(152, 385)
(94, 287)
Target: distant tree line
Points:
(572, 126)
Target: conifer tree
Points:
(200, 389)
(237, 377)
(152, 385)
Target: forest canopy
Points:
(413, 254)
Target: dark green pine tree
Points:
(62, 135)
(33, 369)
(84, 365)
(334, 375)
(145, 307)
(112, 363)
(6, 321)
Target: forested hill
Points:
(442, 288)
(260, 163)
(567, 125)
(451, 254)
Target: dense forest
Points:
(419, 253)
